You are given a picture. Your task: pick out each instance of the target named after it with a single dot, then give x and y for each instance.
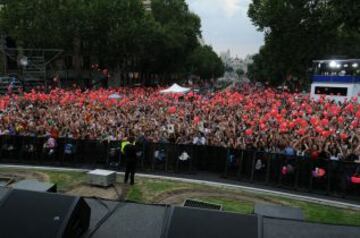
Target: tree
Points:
(299, 31)
(104, 28)
(181, 30)
(240, 72)
(205, 63)
(119, 34)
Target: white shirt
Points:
(199, 141)
(335, 158)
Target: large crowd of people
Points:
(245, 118)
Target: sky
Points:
(225, 25)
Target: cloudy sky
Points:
(225, 25)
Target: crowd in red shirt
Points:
(248, 117)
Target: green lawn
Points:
(312, 212)
(148, 190)
(66, 180)
(326, 214)
(233, 200)
(135, 194)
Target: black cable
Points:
(117, 193)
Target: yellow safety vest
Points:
(123, 144)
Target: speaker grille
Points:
(204, 205)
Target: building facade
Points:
(235, 63)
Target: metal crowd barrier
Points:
(258, 167)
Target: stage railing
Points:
(259, 167)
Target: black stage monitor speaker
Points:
(27, 214)
(199, 223)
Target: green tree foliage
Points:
(299, 31)
(240, 72)
(119, 33)
(104, 28)
(205, 63)
(181, 31)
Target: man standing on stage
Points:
(131, 161)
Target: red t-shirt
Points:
(314, 155)
(54, 133)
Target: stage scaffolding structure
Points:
(31, 64)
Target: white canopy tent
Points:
(114, 96)
(175, 88)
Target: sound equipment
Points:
(34, 185)
(198, 223)
(103, 178)
(42, 215)
(203, 205)
(276, 211)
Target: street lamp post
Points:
(24, 62)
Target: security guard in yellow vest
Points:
(129, 150)
(123, 144)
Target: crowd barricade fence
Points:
(274, 169)
(246, 164)
(146, 156)
(158, 155)
(260, 166)
(184, 159)
(287, 171)
(319, 183)
(9, 148)
(27, 149)
(297, 173)
(233, 164)
(113, 155)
